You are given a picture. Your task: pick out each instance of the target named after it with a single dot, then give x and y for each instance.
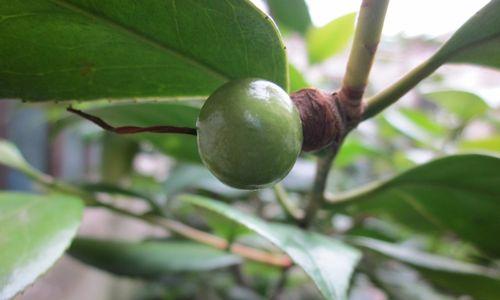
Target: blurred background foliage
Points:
(438, 118)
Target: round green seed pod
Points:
(249, 133)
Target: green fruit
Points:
(249, 133)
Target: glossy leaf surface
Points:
(84, 49)
(35, 231)
(328, 262)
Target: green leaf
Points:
(491, 144)
(415, 125)
(35, 231)
(179, 146)
(78, 49)
(297, 80)
(462, 104)
(477, 41)
(192, 176)
(117, 157)
(149, 259)
(328, 262)
(334, 37)
(401, 282)
(466, 278)
(352, 150)
(458, 193)
(290, 14)
(11, 157)
(423, 121)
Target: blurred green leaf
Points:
(460, 277)
(464, 105)
(414, 125)
(331, 39)
(290, 14)
(35, 231)
(191, 176)
(354, 149)
(179, 146)
(11, 157)
(401, 282)
(149, 259)
(297, 80)
(424, 121)
(117, 157)
(458, 193)
(328, 262)
(491, 144)
(65, 50)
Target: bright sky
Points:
(409, 17)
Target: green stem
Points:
(316, 198)
(394, 92)
(292, 212)
(366, 38)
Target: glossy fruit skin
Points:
(249, 133)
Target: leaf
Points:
(477, 41)
(35, 230)
(290, 14)
(117, 157)
(186, 176)
(413, 127)
(462, 104)
(491, 144)
(352, 150)
(423, 121)
(11, 157)
(76, 49)
(297, 80)
(149, 259)
(458, 193)
(179, 146)
(326, 41)
(329, 263)
(401, 282)
(476, 281)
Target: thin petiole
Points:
(131, 129)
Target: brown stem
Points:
(132, 129)
(206, 238)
